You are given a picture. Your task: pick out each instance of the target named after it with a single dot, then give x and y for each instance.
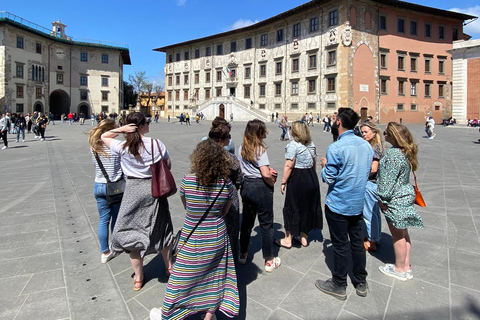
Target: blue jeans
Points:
(371, 213)
(23, 132)
(107, 213)
(257, 198)
(284, 132)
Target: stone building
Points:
(387, 59)
(48, 71)
(466, 80)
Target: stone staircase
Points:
(236, 104)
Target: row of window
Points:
(413, 65)
(413, 30)
(312, 64)
(294, 85)
(277, 106)
(296, 29)
(413, 88)
(38, 49)
(38, 93)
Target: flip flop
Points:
(278, 242)
(299, 239)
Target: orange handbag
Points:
(418, 195)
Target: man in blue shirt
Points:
(346, 170)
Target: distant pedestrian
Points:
(82, 118)
(4, 120)
(41, 123)
(70, 117)
(429, 125)
(51, 118)
(187, 119)
(20, 124)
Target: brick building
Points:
(384, 58)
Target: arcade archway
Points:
(85, 109)
(59, 102)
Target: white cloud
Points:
(240, 23)
(181, 3)
(473, 28)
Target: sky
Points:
(147, 24)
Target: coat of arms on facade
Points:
(347, 34)
(170, 68)
(232, 60)
(332, 36)
(263, 53)
(295, 45)
(186, 65)
(207, 63)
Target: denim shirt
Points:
(304, 155)
(346, 172)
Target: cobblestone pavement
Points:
(50, 256)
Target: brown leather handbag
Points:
(418, 196)
(163, 183)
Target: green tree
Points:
(129, 95)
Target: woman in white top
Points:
(144, 224)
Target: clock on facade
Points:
(60, 54)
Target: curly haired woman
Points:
(203, 277)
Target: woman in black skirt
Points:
(302, 211)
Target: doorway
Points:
(85, 109)
(363, 114)
(221, 111)
(232, 92)
(59, 102)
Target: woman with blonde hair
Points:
(111, 164)
(371, 210)
(144, 224)
(397, 197)
(203, 277)
(257, 193)
(302, 211)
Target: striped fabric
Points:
(111, 165)
(203, 276)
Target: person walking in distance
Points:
(284, 126)
(4, 130)
(346, 169)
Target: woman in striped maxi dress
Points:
(203, 278)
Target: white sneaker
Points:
(42, 139)
(23, 140)
(270, 266)
(107, 257)
(5, 147)
(16, 140)
(156, 314)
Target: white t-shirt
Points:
(431, 123)
(138, 167)
(252, 169)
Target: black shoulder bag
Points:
(114, 189)
(175, 245)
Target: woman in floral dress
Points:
(397, 197)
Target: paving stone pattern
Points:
(50, 256)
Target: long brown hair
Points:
(253, 145)
(402, 138)
(96, 132)
(133, 140)
(210, 162)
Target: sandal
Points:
(278, 242)
(300, 239)
(135, 282)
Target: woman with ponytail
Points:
(144, 224)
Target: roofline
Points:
(314, 3)
(124, 51)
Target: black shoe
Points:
(330, 288)
(362, 289)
